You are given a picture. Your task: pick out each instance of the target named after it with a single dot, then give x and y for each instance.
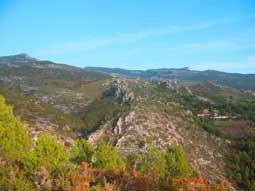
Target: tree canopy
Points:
(82, 151)
(15, 141)
(50, 153)
(107, 157)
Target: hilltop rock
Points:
(119, 88)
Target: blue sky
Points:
(133, 34)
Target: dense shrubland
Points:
(48, 165)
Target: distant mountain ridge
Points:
(181, 75)
(22, 61)
(235, 80)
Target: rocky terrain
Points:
(130, 113)
(154, 121)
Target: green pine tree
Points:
(82, 151)
(176, 162)
(15, 141)
(50, 153)
(107, 157)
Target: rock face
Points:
(117, 130)
(119, 88)
(103, 131)
(143, 130)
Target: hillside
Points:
(52, 165)
(158, 120)
(47, 95)
(235, 80)
(205, 118)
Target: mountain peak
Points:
(25, 56)
(17, 60)
(21, 57)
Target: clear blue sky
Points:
(133, 34)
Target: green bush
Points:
(177, 165)
(107, 157)
(171, 163)
(154, 163)
(82, 151)
(50, 153)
